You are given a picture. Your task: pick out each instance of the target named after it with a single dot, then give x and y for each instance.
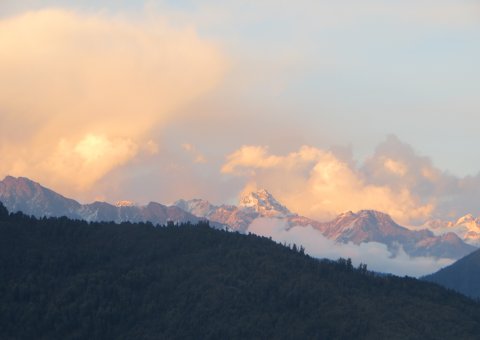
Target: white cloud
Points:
(197, 156)
(375, 255)
(396, 167)
(316, 183)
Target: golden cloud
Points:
(396, 167)
(80, 92)
(196, 155)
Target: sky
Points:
(331, 106)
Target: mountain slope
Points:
(70, 279)
(251, 206)
(462, 276)
(466, 227)
(264, 204)
(22, 194)
(375, 226)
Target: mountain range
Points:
(22, 194)
(360, 227)
(466, 227)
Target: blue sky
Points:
(335, 76)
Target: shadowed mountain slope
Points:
(462, 276)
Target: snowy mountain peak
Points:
(468, 219)
(363, 226)
(366, 215)
(264, 203)
(438, 224)
(198, 207)
(346, 214)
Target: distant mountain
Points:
(375, 226)
(466, 227)
(251, 206)
(363, 226)
(264, 204)
(22, 194)
(235, 218)
(462, 276)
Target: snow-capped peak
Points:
(264, 203)
(467, 219)
(471, 224)
(198, 207)
(362, 217)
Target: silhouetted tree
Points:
(3, 212)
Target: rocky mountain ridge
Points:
(22, 194)
(361, 227)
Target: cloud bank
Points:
(80, 92)
(375, 255)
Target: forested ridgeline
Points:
(462, 276)
(64, 279)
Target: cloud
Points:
(395, 167)
(449, 196)
(94, 155)
(197, 156)
(318, 184)
(375, 255)
(396, 163)
(80, 92)
(322, 183)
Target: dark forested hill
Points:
(63, 279)
(462, 276)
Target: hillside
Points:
(462, 276)
(64, 279)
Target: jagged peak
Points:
(197, 206)
(468, 218)
(194, 202)
(191, 201)
(365, 213)
(264, 203)
(372, 213)
(14, 180)
(450, 237)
